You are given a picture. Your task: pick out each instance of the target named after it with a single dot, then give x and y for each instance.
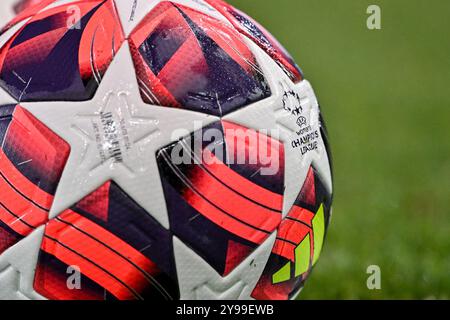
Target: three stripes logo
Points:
(306, 253)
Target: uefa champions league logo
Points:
(302, 122)
(291, 102)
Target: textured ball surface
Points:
(156, 150)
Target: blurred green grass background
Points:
(386, 98)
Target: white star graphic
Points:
(17, 268)
(270, 115)
(115, 136)
(198, 280)
(116, 133)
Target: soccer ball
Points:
(156, 149)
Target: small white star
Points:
(198, 280)
(115, 136)
(17, 268)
